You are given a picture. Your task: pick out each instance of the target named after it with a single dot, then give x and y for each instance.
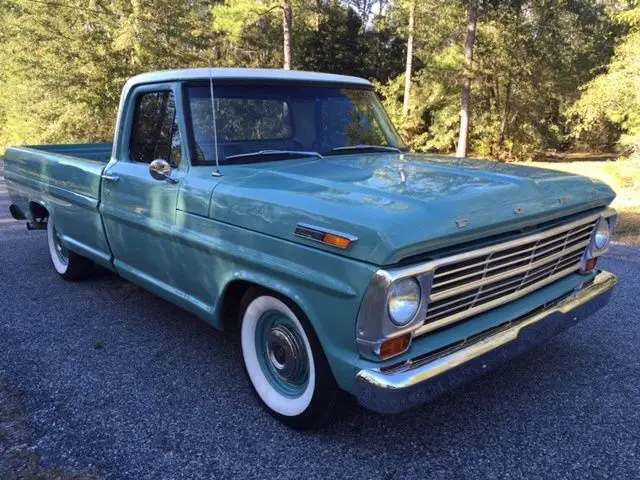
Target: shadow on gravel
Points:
(18, 456)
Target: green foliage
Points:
(63, 68)
(530, 57)
(545, 75)
(612, 99)
(249, 33)
(334, 45)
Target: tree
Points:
(544, 73)
(614, 96)
(465, 109)
(336, 46)
(287, 18)
(238, 19)
(407, 72)
(84, 53)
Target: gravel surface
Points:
(104, 379)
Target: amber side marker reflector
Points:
(336, 241)
(590, 264)
(328, 237)
(395, 346)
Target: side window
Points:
(155, 130)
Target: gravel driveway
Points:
(103, 379)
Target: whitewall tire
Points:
(68, 264)
(284, 360)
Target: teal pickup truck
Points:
(284, 204)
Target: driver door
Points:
(139, 211)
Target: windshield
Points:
(258, 119)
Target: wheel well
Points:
(232, 298)
(231, 302)
(38, 212)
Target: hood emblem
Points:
(518, 210)
(463, 222)
(563, 200)
(403, 177)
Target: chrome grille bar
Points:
(519, 251)
(471, 283)
(488, 279)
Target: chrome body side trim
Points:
(420, 380)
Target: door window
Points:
(155, 131)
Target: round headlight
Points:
(601, 239)
(403, 301)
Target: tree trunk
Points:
(318, 14)
(505, 115)
(465, 109)
(136, 58)
(407, 72)
(287, 20)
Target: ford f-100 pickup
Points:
(285, 204)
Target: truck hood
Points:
(398, 205)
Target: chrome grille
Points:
(468, 284)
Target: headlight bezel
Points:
(603, 224)
(374, 325)
(609, 218)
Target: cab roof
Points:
(252, 74)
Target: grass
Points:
(623, 175)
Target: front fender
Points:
(327, 287)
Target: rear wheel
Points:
(285, 362)
(68, 264)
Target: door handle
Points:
(110, 178)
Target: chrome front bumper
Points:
(422, 379)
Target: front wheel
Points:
(68, 264)
(285, 362)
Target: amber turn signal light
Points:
(336, 241)
(395, 346)
(328, 237)
(590, 264)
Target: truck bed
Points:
(100, 152)
(66, 181)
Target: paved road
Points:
(109, 380)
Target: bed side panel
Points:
(69, 188)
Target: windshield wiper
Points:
(370, 148)
(278, 153)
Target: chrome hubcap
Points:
(282, 354)
(285, 353)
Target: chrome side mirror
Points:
(161, 170)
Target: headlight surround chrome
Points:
(602, 235)
(600, 239)
(403, 301)
(374, 325)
